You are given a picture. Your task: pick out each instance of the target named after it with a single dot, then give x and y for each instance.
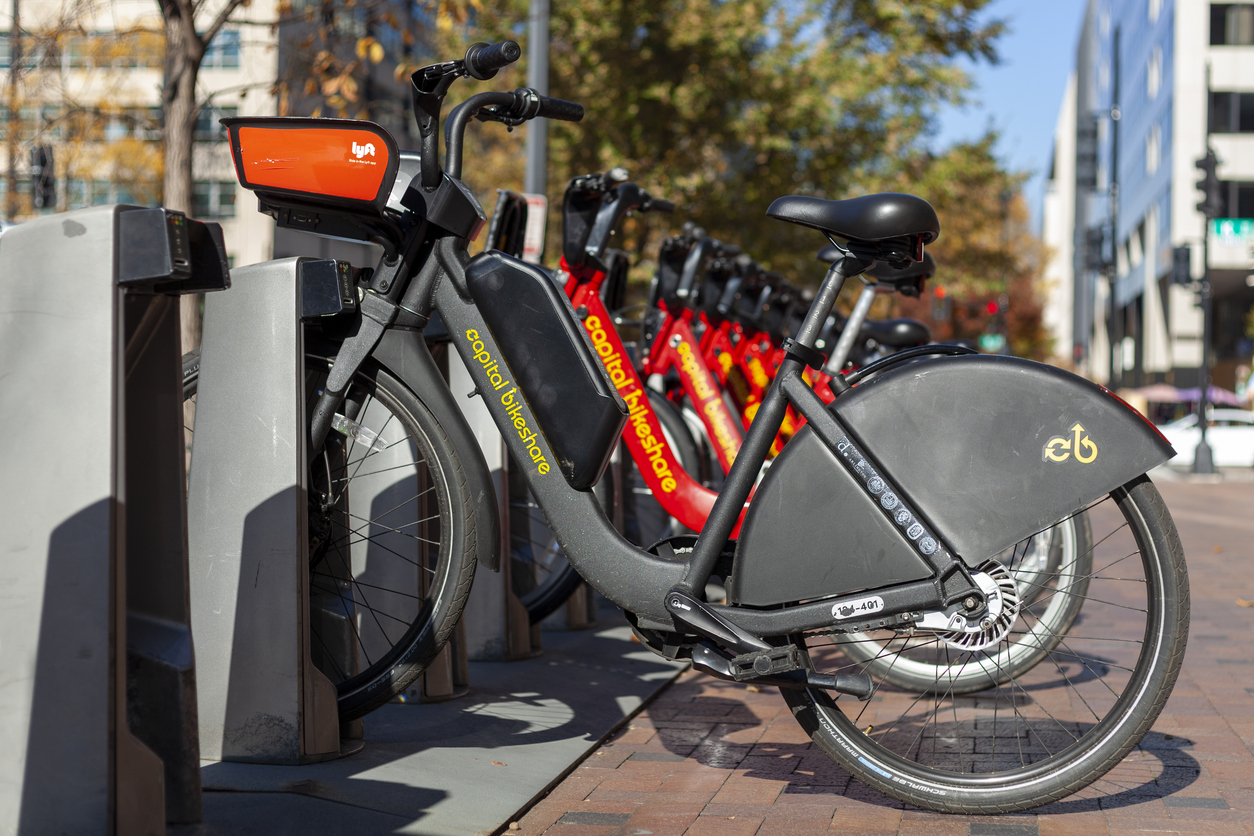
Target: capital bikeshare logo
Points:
(708, 402)
(512, 404)
(1060, 448)
(644, 426)
(360, 151)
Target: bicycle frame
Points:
(676, 347)
(424, 269)
(634, 579)
(681, 495)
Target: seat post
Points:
(846, 266)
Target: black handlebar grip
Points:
(659, 205)
(483, 60)
(559, 109)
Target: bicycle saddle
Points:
(876, 222)
(897, 333)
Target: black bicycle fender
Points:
(991, 450)
(405, 355)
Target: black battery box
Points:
(579, 411)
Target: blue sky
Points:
(1021, 95)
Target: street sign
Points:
(533, 237)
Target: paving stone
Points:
(1184, 801)
(724, 826)
(997, 828)
(596, 819)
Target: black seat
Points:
(873, 217)
(897, 333)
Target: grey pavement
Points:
(463, 767)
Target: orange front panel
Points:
(340, 162)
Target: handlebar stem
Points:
(455, 128)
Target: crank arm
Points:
(707, 658)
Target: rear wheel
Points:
(391, 536)
(1042, 733)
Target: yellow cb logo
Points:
(1060, 448)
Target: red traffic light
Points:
(939, 292)
(992, 307)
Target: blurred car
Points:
(1230, 435)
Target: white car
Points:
(1230, 435)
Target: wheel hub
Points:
(1002, 597)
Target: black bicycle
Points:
(913, 482)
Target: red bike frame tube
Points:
(677, 346)
(683, 497)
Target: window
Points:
(1231, 24)
(77, 194)
(207, 126)
(1154, 72)
(1238, 198)
(119, 50)
(80, 193)
(223, 50)
(1153, 149)
(32, 55)
(1231, 113)
(213, 199)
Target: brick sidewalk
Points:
(716, 757)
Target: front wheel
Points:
(1042, 733)
(391, 536)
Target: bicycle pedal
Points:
(765, 663)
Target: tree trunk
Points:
(184, 51)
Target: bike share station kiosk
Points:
(98, 705)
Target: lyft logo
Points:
(363, 150)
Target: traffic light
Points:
(1212, 204)
(1094, 249)
(43, 182)
(1181, 265)
(940, 304)
(1086, 152)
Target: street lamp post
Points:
(535, 179)
(11, 129)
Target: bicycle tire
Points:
(1051, 571)
(400, 593)
(542, 577)
(1059, 750)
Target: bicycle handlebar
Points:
(483, 60)
(510, 108)
(558, 109)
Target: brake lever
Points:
(495, 113)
